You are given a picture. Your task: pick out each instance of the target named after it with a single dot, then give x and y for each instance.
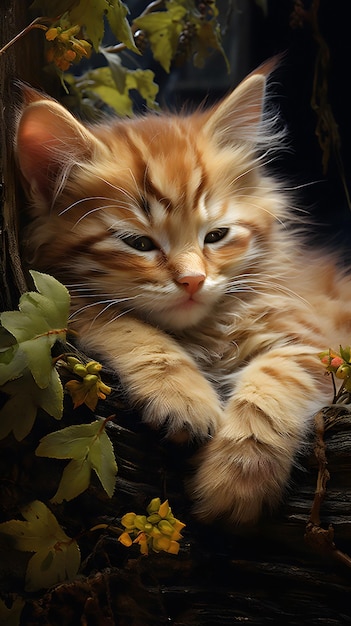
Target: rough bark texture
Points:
(12, 282)
(294, 566)
(22, 62)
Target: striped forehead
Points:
(167, 162)
(174, 182)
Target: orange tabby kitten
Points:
(172, 239)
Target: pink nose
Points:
(192, 284)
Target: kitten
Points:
(172, 240)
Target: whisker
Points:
(249, 283)
(108, 302)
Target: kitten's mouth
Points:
(189, 303)
(181, 314)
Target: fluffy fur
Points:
(173, 241)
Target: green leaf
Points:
(11, 616)
(118, 71)
(57, 310)
(89, 447)
(7, 341)
(103, 462)
(57, 556)
(41, 320)
(90, 13)
(208, 37)
(345, 353)
(163, 29)
(143, 81)
(20, 410)
(75, 479)
(13, 362)
(117, 17)
(101, 81)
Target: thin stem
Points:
(37, 23)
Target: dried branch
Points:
(319, 538)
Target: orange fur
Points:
(173, 241)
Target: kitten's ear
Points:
(239, 117)
(49, 142)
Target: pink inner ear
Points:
(38, 146)
(35, 156)
(49, 140)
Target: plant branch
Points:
(37, 23)
(319, 538)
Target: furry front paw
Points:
(241, 471)
(190, 410)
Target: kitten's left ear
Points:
(49, 142)
(239, 116)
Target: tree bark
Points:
(12, 282)
(23, 61)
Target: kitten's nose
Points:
(193, 283)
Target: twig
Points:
(317, 537)
(37, 23)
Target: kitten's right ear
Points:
(240, 116)
(49, 142)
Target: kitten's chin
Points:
(180, 317)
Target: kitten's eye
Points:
(216, 235)
(142, 243)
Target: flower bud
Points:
(128, 520)
(140, 521)
(80, 370)
(344, 371)
(90, 380)
(72, 361)
(165, 527)
(51, 34)
(93, 367)
(154, 518)
(336, 362)
(154, 506)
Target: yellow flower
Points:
(90, 388)
(128, 520)
(158, 531)
(125, 539)
(65, 48)
(51, 34)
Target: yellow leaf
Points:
(163, 29)
(117, 17)
(90, 13)
(164, 509)
(57, 556)
(125, 539)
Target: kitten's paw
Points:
(188, 411)
(238, 475)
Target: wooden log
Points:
(221, 576)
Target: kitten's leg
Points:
(160, 378)
(248, 462)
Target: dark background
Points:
(253, 36)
